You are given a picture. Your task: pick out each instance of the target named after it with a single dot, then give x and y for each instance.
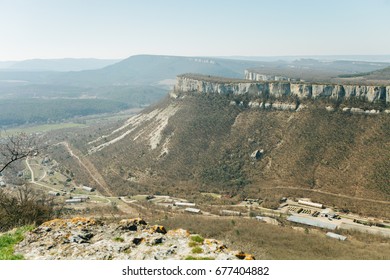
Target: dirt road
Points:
(90, 168)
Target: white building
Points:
(88, 189)
(73, 200)
(309, 203)
(54, 193)
(193, 210)
(230, 213)
(184, 204)
(336, 236)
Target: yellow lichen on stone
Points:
(54, 223)
(221, 248)
(178, 233)
(82, 220)
(249, 257)
(210, 242)
(215, 245)
(79, 221)
(158, 229)
(243, 256)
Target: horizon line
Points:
(205, 56)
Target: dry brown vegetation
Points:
(24, 207)
(381, 76)
(281, 242)
(327, 156)
(335, 158)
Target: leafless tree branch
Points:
(16, 147)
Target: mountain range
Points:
(134, 82)
(61, 65)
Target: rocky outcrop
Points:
(205, 84)
(387, 93)
(188, 84)
(301, 90)
(254, 76)
(90, 239)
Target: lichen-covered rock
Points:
(178, 233)
(388, 94)
(86, 238)
(301, 90)
(158, 229)
(131, 224)
(79, 222)
(243, 256)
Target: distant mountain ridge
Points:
(60, 65)
(150, 69)
(134, 82)
(142, 79)
(136, 70)
(363, 58)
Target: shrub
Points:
(192, 258)
(197, 250)
(24, 207)
(197, 239)
(192, 244)
(119, 239)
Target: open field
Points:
(39, 128)
(79, 122)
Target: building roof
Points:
(184, 204)
(192, 210)
(336, 236)
(312, 222)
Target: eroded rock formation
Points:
(204, 84)
(90, 239)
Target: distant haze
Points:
(372, 58)
(118, 29)
(65, 64)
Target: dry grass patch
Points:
(280, 242)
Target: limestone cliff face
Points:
(185, 84)
(301, 90)
(203, 84)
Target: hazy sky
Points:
(120, 28)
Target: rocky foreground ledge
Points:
(89, 239)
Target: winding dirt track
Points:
(33, 178)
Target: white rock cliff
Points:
(204, 84)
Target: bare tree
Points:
(14, 148)
(23, 206)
